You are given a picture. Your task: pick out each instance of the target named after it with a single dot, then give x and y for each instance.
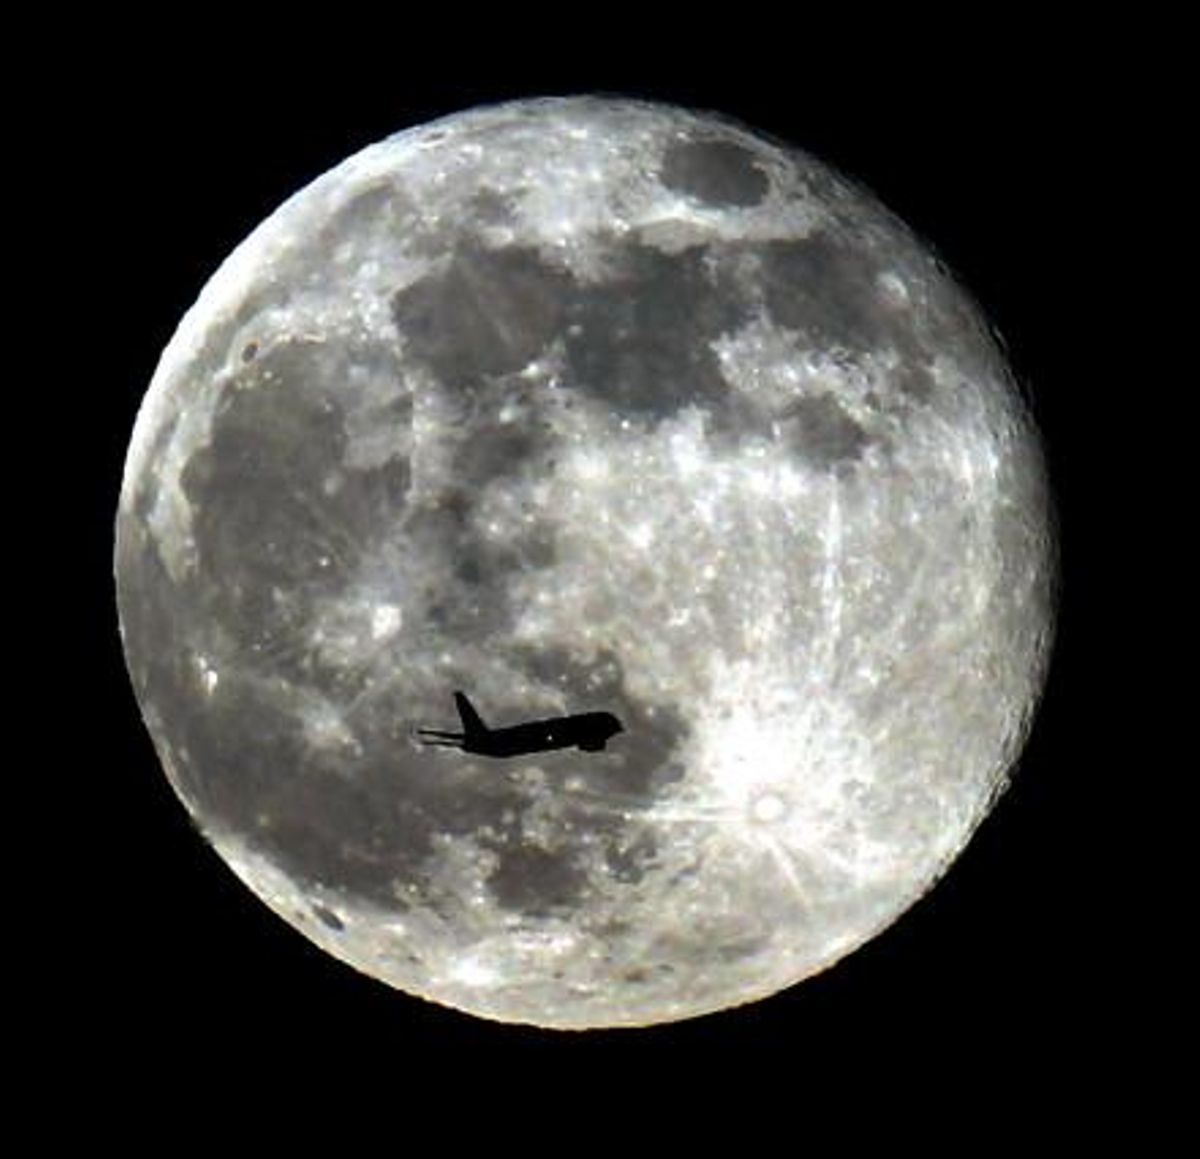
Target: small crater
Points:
(329, 918)
(741, 949)
(822, 432)
(718, 172)
(249, 351)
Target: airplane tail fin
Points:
(471, 721)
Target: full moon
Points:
(586, 405)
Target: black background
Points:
(1011, 970)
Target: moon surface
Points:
(582, 405)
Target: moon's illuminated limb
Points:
(586, 404)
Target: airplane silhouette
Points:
(588, 731)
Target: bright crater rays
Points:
(586, 404)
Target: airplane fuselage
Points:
(588, 731)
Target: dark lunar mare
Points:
(639, 341)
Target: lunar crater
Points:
(719, 172)
(822, 431)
